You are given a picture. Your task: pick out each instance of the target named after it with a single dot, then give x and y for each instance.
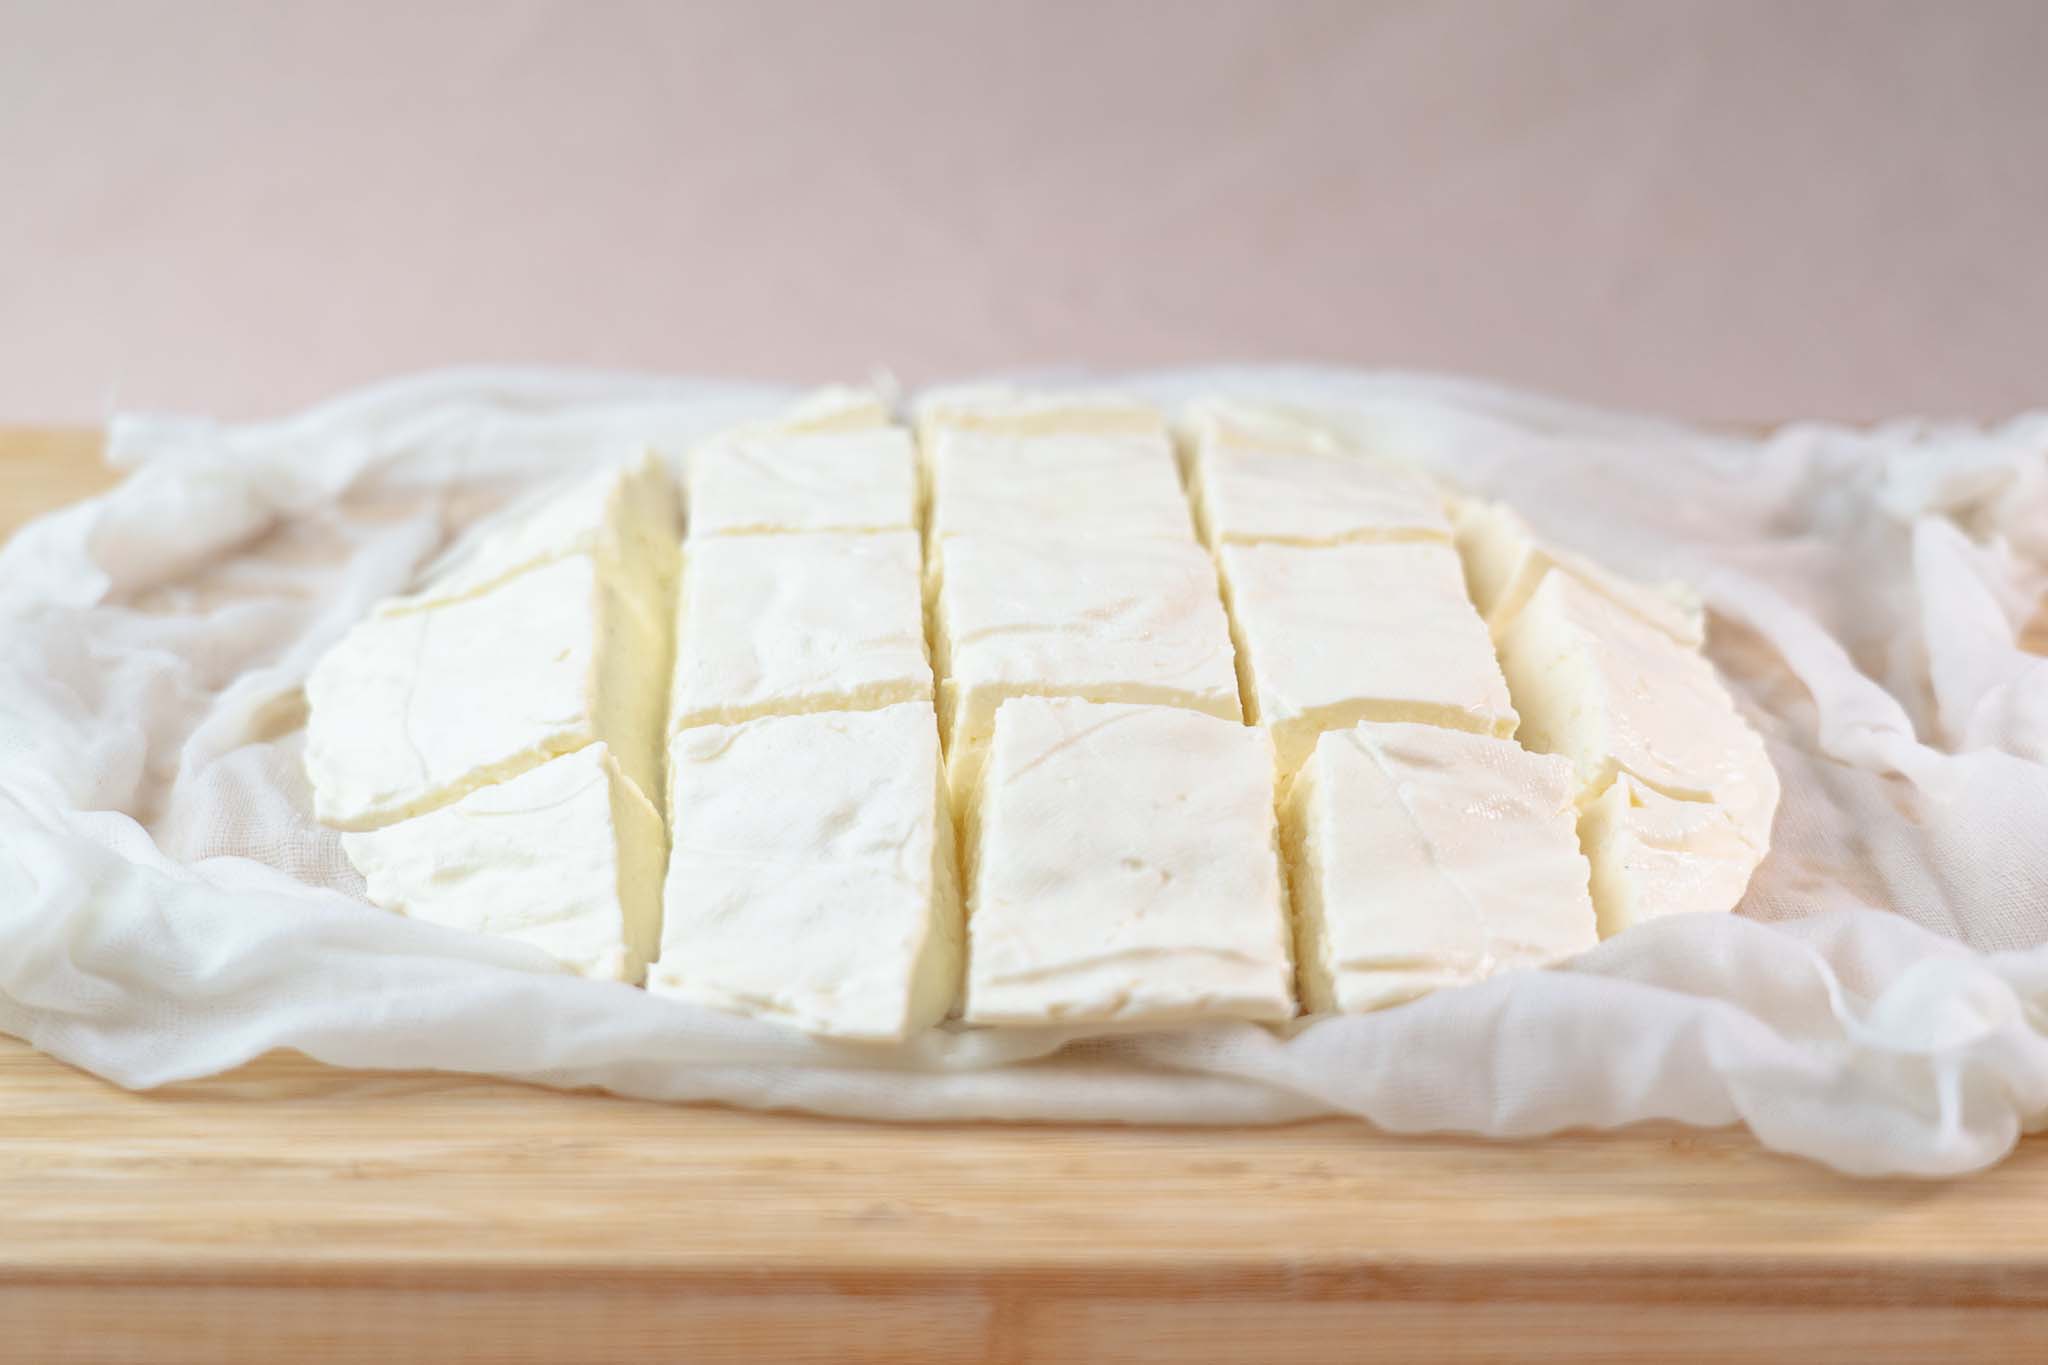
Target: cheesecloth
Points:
(169, 909)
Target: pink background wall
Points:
(1725, 210)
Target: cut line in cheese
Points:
(566, 857)
(1331, 635)
(1129, 621)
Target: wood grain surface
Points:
(290, 1211)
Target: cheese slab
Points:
(1033, 412)
(414, 709)
(1421, 857)
(776, 625)
(1597, 684)
(1126, 869)
(1332, 635)
(1653, 856)
(1116, 485)
(1504, 563)
(834, 480)
(624, 516)
(1258, 477)
(812, 877)
(1131, 621)
(566, 857)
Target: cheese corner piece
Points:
(1615, 695)
(1126, 870)
(774, 625)
(1332, 635)
(566, 857)
(1120, 484)
(1504, 563)
(812, 876)
(626, 517)
(412, 710)
(855, 480)
(1653, 856)
(1264, 479)
(1107, 621)
(1421, 857)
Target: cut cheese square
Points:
(812, 879)
(1504, 562)
(1126, 869)
(857, 480)
(838, 407)
(1259, 477)
(1421, 857)
(1653, 856)
(995, 408)
(566, 857)
(414, 709)
(1332, 635)
(624, 516)
(1597, 684)
(1134, 621)
(1066, 483)
(774, 625)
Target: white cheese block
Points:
(1332, 635)
(1263, 477)
(625, 516)
(1653, 856)
(812, 879)
(1133, 621)
(1260, 425)
(414, 709)
(857, 480)
(835, 408)
(995, 408)
(566, 857)
(1126, 870)
(1596, 683)
(1421, 857)
(774, 625)
(1504, 562)
(1115, 485)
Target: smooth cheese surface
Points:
(782, 624)
(1132, 621)
(624, 516)
(566, 857)
(1595, 683)
(1261, 477)
(1422, 857)
(812, 875)
(998, 408)
(1653, 856)
(833, 480)
(1119, 485)
(1332, 635)
(413, 710)
(1505, 562)
(1126, 869)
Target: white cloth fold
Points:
(169, 909)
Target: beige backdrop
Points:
(1727, 210)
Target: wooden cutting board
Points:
(290, 1211)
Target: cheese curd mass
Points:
(1046, 711)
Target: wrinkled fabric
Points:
(1879, 598)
